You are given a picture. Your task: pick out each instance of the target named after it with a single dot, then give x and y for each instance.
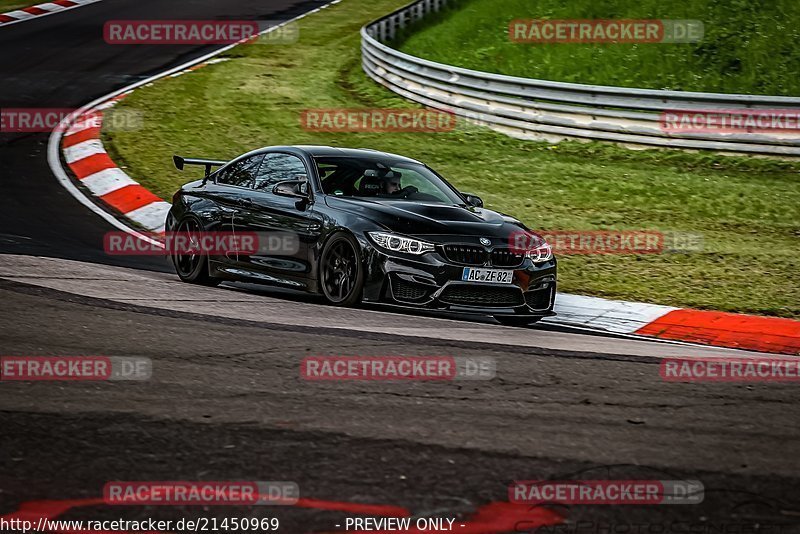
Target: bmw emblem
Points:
(485, 242)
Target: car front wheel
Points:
(341, 272)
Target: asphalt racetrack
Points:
(226, 400)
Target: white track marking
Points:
(152, 216)
(104, 182)
(93, 121)
(83, 150)
(19, 15)
(51, 7)
(609, 315)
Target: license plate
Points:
(488, 276)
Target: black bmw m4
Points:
(364, 226)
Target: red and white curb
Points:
(87, 158)
(39, 10)
(82, 149)
(91, 165)
(721, 329)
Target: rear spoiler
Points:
(208, 163)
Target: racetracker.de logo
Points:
(203, 493)
(605, 31)
(609, 492)
(165, 32)
(33, 120)
(74, 368)
(30, 120)
(377, 120)
(757, 369)
(771, 121)
(205, 243)
(567, 242)
(387, 368)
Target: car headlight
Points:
(541, 253)
(532, 245)
(397, 243)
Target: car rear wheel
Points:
(510, 320)
(192, 268)
(341, 272)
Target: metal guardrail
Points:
(542, 109)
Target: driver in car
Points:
(391, 184)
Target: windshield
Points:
(383, 179)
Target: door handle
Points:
(244, 202)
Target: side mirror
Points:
(473, 200)
(292, 188)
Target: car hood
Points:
(429, 219)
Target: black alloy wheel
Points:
(341, 272)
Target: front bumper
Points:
(434, 281)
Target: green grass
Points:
(747, 209)
(749, 46)
(11, 5)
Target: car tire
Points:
(192, 269)
(341, 271)
(510, 320)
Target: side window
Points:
(242, 173)
(279, 168)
